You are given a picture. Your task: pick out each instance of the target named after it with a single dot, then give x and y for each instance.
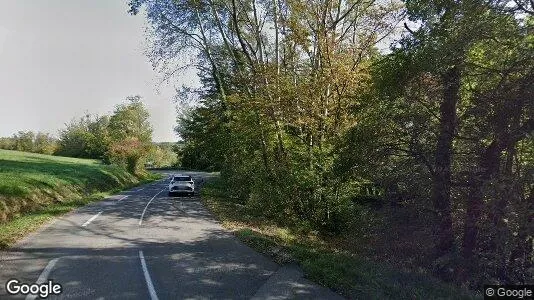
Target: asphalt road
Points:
(142, 244)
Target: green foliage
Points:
(28, 141)
(124, 138)
(350, 275)
(24, 141)
(208, 139)
(86, 137)
(130, 120)
(130, 135)
(308, 123)
(402, 123)
(162, 155)
(129, 154)
(44, 144)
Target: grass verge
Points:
(35, 188)
(346, 273)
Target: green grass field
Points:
(34, 188)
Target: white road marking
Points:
(122, 198)
(91, 220)
(140, 189)
(44, 276)
(151, 290)
(144, 210)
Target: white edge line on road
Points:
(144, 210)
(44, 276)
(91, 220)
(149, 284)
(122, 198)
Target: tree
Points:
(129, 154)
(299, 110)
(86, 137)
(161, 155)
(500, 75)
(130, 120)
(24, 141)
(130, 135)
(278, 77)
(45, 144)
(7, 143)
(466, 69)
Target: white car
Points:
(181, 184)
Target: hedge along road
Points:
(142, 244)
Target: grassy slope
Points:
(36, 187)
(342, 271)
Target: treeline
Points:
(124, 138)
(28, 141)
(305, 117)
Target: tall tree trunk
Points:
(488, 165)
(523, 254)
(263, 143)
(473, 213)
(441, 185)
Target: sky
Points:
(62, 59)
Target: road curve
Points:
(142, 244)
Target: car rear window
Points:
(182, 178)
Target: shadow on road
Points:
(188, 254)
